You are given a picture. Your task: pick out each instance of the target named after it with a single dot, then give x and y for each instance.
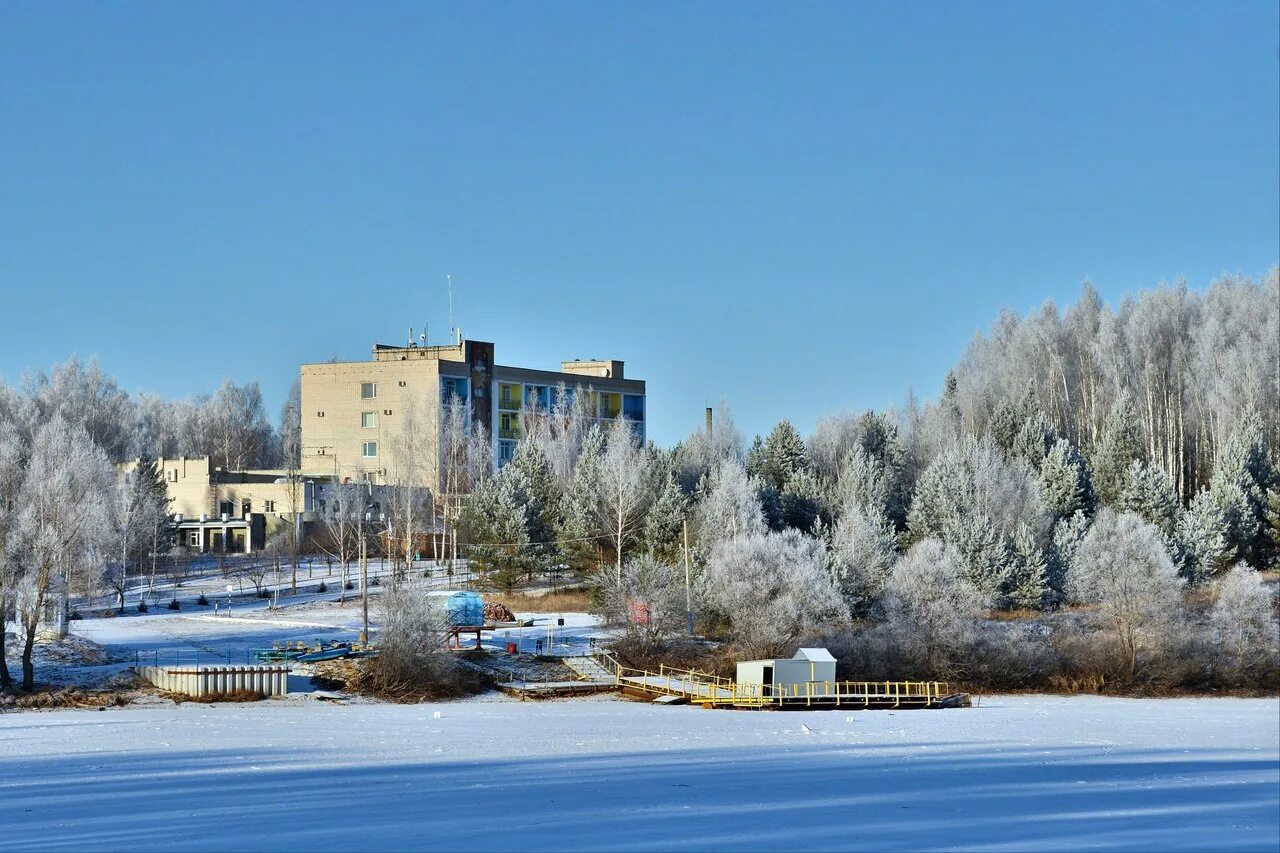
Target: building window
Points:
(508, 396)
(173, 475)
(368, 420)
(633, 407)
(370, 450)
(453, 389)
(226, 508)
(506, 452)
(270, 506)
(368, 390)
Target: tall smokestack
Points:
(708, 421)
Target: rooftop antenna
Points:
(411, 336)
(423, 336)
(449, 279)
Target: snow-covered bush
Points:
(412, 662)
(1124, 572)
(648, 600)
(1244, 625)
(771, 589)
(931, 607)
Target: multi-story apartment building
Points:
(353, 412)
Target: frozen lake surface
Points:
(1017, 773)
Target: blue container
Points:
(464, 609)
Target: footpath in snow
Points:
(1017, 773)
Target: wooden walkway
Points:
(711, 691)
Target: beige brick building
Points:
(217, 510)
(353, 412)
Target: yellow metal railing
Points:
(705, 688)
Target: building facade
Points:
(234, 511)
(355, 413)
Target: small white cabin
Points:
(810, 672)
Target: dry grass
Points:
(564, 601)
(210, 698)
(68, 697)
(366, 678)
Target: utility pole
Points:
(688, 592)
(364, 584)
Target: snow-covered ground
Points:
(1016, 773)
(206, 635)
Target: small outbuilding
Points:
(811, 672)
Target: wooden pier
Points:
(712, 691)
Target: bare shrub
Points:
(412, 663)
(647, 599)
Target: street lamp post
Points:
(369, 517)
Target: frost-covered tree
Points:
(863, 551)
(1064, 480)
(1202, 536)
(1244, 623)
(648, 598)
(1124, 571)
(1118, 448)
(83, 395)
(140, 504)
(1243, 475)
(665, 518)
(800, 503)
(728, 506)
(700, 452)
(1067, 535)
(63, 523)
(13, 456)
(931, 607)
(862, 481)
(233, 428)
(1149, 492)
(341, 520)
(974, 499)
(772, 589)
(578, 530)
(782, 456)
(499, 522)
(624, 490)
(1027, 578)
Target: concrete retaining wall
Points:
(208, 680)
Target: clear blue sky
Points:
(793, 207)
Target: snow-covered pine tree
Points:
(540, 483)
(1149, 492)
(783, 456)
(664, 522)
(1064, 479)
(1027, 581)
(981, 551)
(1239, 486)
(1067, 535)
(801, 501)
(577, 531)
(1272, 525)
(1034, 440)
(1118, 447)
(1202, 535)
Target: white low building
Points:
(811, 672)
